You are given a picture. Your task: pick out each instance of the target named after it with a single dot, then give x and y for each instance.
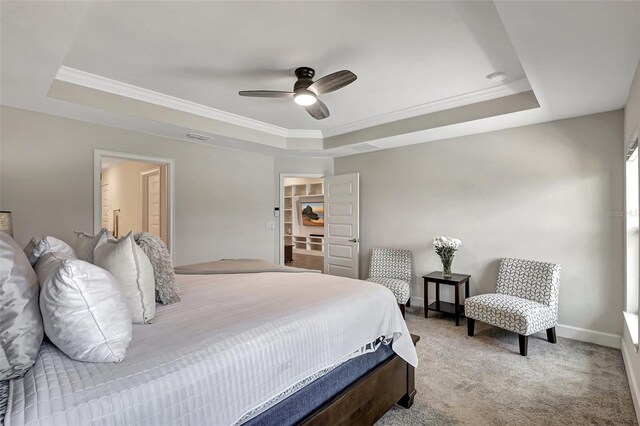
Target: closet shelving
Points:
(301, 243)
(310, 245)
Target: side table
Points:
(456, 280)
(288, 253)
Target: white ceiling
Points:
(578, 57)
(405, 54)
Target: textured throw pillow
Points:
(36, 248)
(85, 244)
(167, 291)
(20, 321)
(83, 310)
(133, 271)
(30, 248)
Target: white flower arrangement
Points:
(446, 248)
(446, 243)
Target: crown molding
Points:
(304, 134)
(499, 91)
(104, 84)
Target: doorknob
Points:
(354, 240)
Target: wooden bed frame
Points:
(372, 395)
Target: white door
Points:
(151, 194)
(342, 225)
(105, 205)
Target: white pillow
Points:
(85, 244)
(133, 271)
(20, 321)
(36, 248)
(83, 311)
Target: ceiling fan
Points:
(306, 91)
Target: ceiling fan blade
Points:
(318, 110)
(332, 82)
(266, 94)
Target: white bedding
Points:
(222, 355)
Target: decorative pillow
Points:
(133, 271)
(83, 310)
(30, 248)
(36, 248)
(21, 324)
(167, 290)
(86, 244)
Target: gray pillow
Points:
(38, 247)
(167, 290)
(85, 243)
(20, 320)
(30, 248)
(83, 310)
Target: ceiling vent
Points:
(198, 137)
(365, 147)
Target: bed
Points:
(242, 347)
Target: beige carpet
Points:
(483, 380)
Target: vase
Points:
(446, 267)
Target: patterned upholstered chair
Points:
(392, 269)
(525, 301)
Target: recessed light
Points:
(497, 76)
(198, 137)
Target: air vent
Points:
(198, 137)
(365, 147)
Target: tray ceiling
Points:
(413, 60)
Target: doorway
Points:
(302, 221)
(133, 193)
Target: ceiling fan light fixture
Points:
(304, 97)
(306, 91)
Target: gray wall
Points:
(551, 192)
(632, 109)
(223, 198)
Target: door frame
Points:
(144, 182)
(97, 188)
(281, 207)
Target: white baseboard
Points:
(570, 332)
(590, 336)
(628, 356)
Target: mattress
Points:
(301, 404)
(235, 346)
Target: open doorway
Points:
(302, 221)
(133, 194)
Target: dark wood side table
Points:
(455, 309)
(288, 253)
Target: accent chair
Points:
(525, 301)
(392, 268)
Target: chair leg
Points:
(408, 303)
(470, 326)
(401, 309)
(524, 341)
(551, 335)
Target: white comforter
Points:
(234, 345)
